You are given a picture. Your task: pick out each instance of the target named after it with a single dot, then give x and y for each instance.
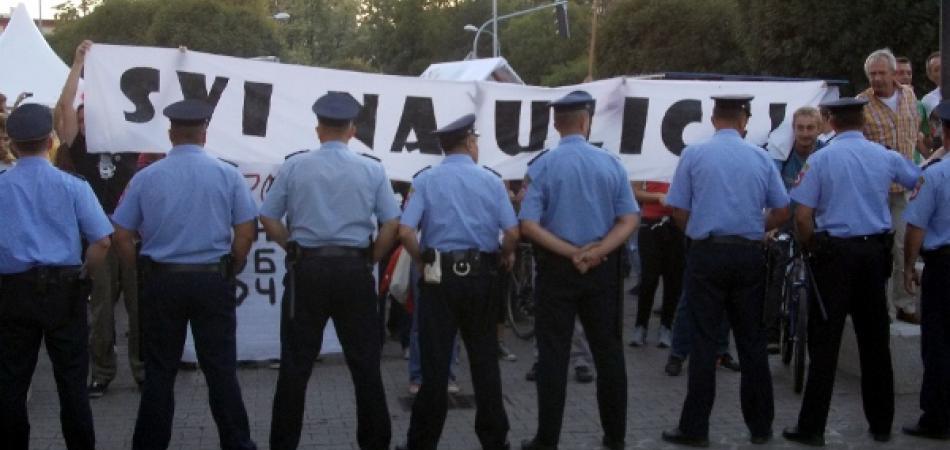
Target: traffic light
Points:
(560, 16)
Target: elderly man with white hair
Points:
(892, 120)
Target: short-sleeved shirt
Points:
(45, 214)
(655, 210)
(331, 197)
(929, 207)
(459, 206)
(847, 183)
(185, 207)
(726, 184)
(577, 191)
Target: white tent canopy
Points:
(30, 65)
(486, 69)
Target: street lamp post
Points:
(494, 22)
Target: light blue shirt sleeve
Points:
(680, 194)
(808, 190)
(624, 203)
(776, 197)
(243, 209)
(93, 222)
(906, 172)
(506, 213)
(275, 202)
(128, 214)
(532, 206)
(923, 204)
(386, 208)
(412, 216)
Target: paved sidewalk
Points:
(654, 405)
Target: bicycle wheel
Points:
(519, 303)
(801, 337)
(786, 324)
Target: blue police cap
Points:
(844, 104)
(336, 107)
(189, 112)
(943, 111)
(464, 125)
(30, 122)
(737, 101)
(572, 101)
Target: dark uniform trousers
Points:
(170, 301)
(935, 342)
(564, 294)
(342, 289)
(28, 315)
(465, 305)
(662, 251)
(851, 276)
(727, 277)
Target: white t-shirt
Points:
(892, 101)
(931, 100)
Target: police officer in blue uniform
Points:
(460, 208)
(333, 199)
(842, 217)
(719, 191)
(579, 211)
(196, 219)
(45, 215)
(928, 228)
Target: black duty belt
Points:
(939, 252)
(877, 238)
(334, 251)
(730, 240)
(468, 262)
(186, 268)
(46, 274)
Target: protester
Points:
(805, 128)
(905, 72)
(7, 158)
(932, 98)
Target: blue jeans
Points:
(683, 332)
(415, 362)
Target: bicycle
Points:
(793, 314)
(519, 293)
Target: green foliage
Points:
(320, 33)
(532, 46)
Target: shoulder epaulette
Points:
(371, 157)
(492, 171)
(423, 170)
(232, 163)
(925, 167)
(3, 171)
(295, 154)
(537, 156)
(77, 175)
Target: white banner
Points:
(263, 113)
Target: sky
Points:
(33, 6)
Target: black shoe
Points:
(918, 431)
(533, 373)
(97, 389)
(725, 360)
(401, 447)
(674, 366)
(796, 435)
(613, 444)
(583, 374)
(675, 436)
(759, 439)
(533, 444)
(881, 437)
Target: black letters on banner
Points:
(193, 87)
(417, 116)
(776, 114)
(508, 121)
(256, 108)
(137, 83)
(634, 125)
(680, 114)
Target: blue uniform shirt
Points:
(577, 191)
(44, 214)
(185, 206)
(847, 183)
(726, 184)
(929, 207)
(330, 196)
(460, 206)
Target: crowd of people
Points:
(862, 189)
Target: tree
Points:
(321, 33)
(645, 36)
(532, 46)
(69, 11)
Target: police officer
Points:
(460, 208)
(579, 211)
(196, 218)
(333, 199)
(44, 215)
(719, 191)
(928, 226)
(842, 216)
